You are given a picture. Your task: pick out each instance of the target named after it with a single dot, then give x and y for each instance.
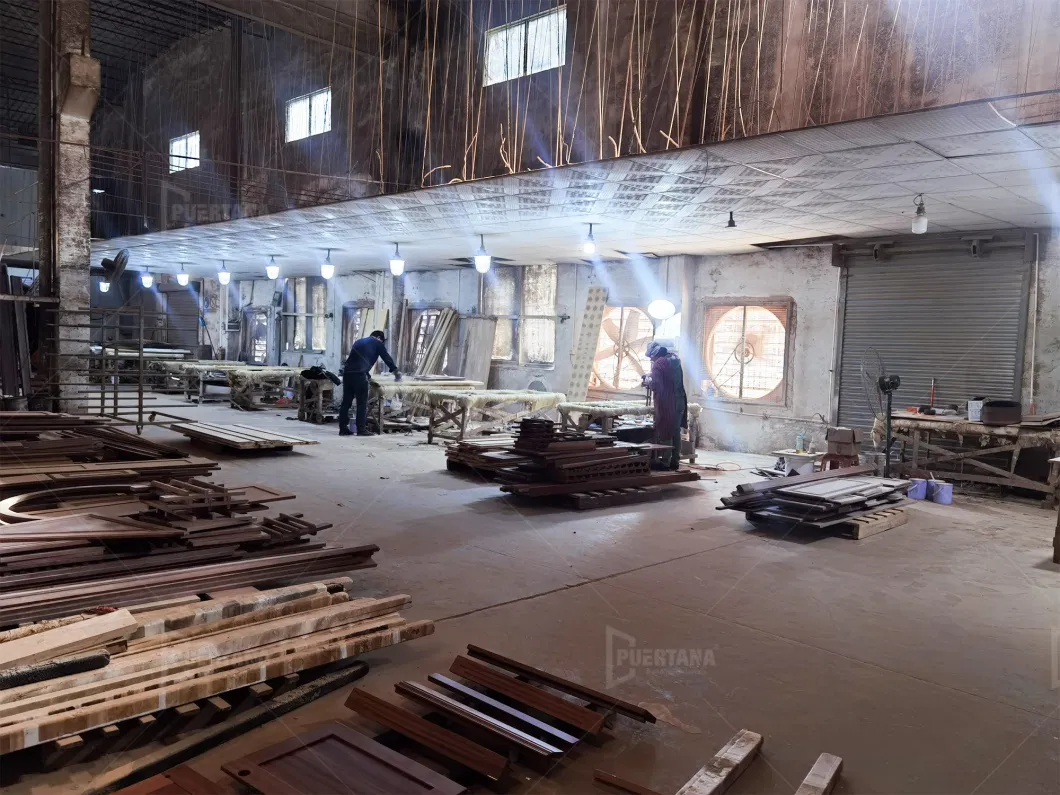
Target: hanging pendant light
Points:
(223, 276)
(327, 270)
(272, 270)
(397, 265)
(104, 286)
(482, 258)
(920, 220)
(182, 277)
(146, 279)
(589, 246)
(732, 221)
(661, 309)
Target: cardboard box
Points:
(843, 435)
(844, 448)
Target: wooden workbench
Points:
(921, 455)
(455, 414)
(399, 401)
(607, 411)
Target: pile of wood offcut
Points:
(87, 672)
(820, 499)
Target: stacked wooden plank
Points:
(820, 499)
(239, 437)
(434, 353)
(485, 454)
(189, 654)
(565, 463)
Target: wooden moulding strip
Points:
(13, 738)
(180, 617)
(450, 744)
(561, 684)
(133, 669)
(61, 641)
(534, 697)
(718, 774)
(154, 679)
(276, 611)
(462, 712)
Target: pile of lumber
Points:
(563, 463)
(434, 351)
(819, 499)
(179, 537)
(182, 654)
(485, 454)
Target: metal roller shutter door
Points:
(935, 313)
(182, 314)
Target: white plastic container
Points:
(975, 410)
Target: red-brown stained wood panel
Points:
(334, 758)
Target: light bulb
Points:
(182, 279)
(104, 286)
(327, 270)
(146, 279)
(223, 276)
(272, 270)
(397, 265)
(661, 309)
(920, 220)
(589, 246)
(482, 259)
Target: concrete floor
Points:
(925, 656)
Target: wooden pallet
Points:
(876, 522)
(584, 501)
(239, 437)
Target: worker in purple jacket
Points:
(667, 383)
(363, 356)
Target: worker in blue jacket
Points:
(363, 356)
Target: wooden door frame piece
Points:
(450, 707)
(449, 744)
(251, 769)
(563, 685)
(534, 697)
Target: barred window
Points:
(523, 299)
(305, 300)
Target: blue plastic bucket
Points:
(941, 492)
(918, 491)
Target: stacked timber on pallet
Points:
(487, 454)
(829, 499)
(168, 539)
(40, 449)
(190, 654)
(565, 463)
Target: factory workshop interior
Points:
(529, 396)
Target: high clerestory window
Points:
(531, 45)
(309, 115)
(184, 152)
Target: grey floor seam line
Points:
(577, 584)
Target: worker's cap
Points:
(379, 335)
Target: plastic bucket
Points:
(941, 492)
(918, 491)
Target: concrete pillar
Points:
(69, 91)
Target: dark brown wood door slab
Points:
(336, 759)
